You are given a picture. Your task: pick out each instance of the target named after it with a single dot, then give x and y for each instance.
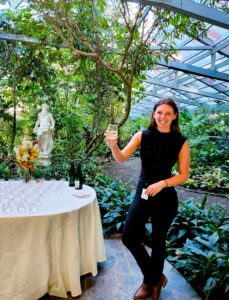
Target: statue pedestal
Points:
(44, 160)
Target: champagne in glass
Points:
(112, 131)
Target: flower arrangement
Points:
(26, 156)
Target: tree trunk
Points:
(128, 105)
(14, 127)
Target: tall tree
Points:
(116, 35)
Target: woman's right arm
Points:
(122, 155)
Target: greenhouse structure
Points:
(114, 123)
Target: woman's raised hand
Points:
(111, 138)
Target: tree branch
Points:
(127, 107)
(123, 12)
(69, 44)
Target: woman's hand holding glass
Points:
(111, 135)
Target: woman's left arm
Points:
(183, 166)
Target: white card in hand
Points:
(144, 195)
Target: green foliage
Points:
(211, 179)
(192, 219)
(131, 127)
(26, 79)
(205, 264)
(49, 172)
(199, 249)
(114, 199)
(71, 139)
(5, 171)
(84, 95)
(207, 133)
(92, 168)
(58, 169)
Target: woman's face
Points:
(163, 116)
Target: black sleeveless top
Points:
(159, 153)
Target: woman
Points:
(161, 146)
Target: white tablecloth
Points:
(49, 242)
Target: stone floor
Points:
(119, 277)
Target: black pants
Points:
(161, 209)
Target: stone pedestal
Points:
(44, 160)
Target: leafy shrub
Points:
(114, 198)
(70, 140)
(47, 172)
(207, 134)
(193, 219)
(131, 127)
(92, 168)
(208, 178)
(5, 171)
(199, 249)
(58, 169)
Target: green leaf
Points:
(210, 284)
(213, 239)
(203, 203)
(202, 241)
(118, 225)
(181, 233)
(193, 248)
(224, 227)
(195, 222)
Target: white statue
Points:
(44, 129)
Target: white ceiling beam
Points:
(187, 89)
(192, 9)
(188, 68)
(17, 37)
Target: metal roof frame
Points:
(199, 75)
(191, 9)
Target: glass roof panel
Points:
(217, 31)
(185, 55)
(216, 90)
(192, 86)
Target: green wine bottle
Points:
(79, 178)
(71, 174)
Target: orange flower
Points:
(26, 155)
(24, 165)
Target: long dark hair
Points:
(175, 123)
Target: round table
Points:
(50, 235)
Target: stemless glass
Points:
(112, 131)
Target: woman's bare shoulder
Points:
(137, 137)
(138, 134)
